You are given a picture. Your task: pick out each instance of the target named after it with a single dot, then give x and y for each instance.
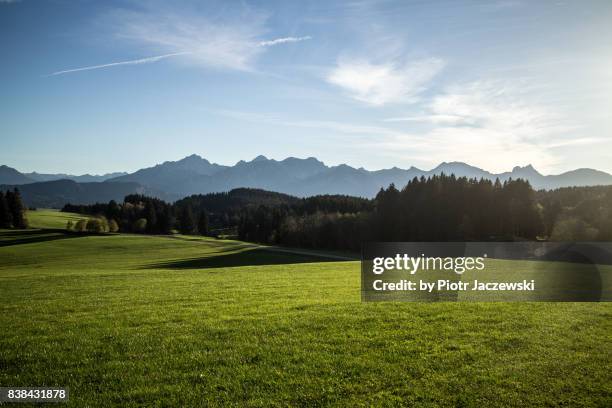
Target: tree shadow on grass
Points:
(249, 257)
(27, 236)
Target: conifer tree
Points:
(187, 223)
(166, 220)
(17, 209)
(151, 217)
(203, 223)
(5, 213)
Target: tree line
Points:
(437, 208)
(577, 213)
(12, 210)
(203, 214)
(139, 214)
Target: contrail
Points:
(148, 60)
(114, 64)
(283, 40)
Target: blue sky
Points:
(91, 86)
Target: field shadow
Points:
(249, 257)
(20, 237)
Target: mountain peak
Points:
(192, 158)
(261, 157)
(453, 165)
(528, 169)
(9, 175)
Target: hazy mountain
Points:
(578, 178)
(194, 175)
(85, 178)
(460, 169)
(56, 193)
(175, 178)
(305, 177)
(268, 174)
(9, 175)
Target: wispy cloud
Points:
(223, 42)
(147, 60)
(233, 42)
(499, 107)
(435, 119)
(384, 83)
(334, 126)
(267, 43)
(284, 40)
(489, 124)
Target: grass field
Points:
(52, 219)
(132, 320)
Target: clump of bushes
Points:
(95, 225)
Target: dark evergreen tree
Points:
(17, 209)
(203, 223)
(5, 213)
(151, 216)
(187, 224)
(113, 210)
(165, 220)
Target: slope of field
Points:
(126, 320)
(51, 219)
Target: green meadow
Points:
(52, 219)
(134, 320)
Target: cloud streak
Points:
(349, 128)
(214, 40)
(147, 60)
(439, 119)
(284, 40)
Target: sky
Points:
(96, 87)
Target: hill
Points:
(237, 199)
(54, 194)
(85, 178)
(9, 175)
(42, 218)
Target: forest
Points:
(438, 208)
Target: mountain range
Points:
(9, 175)
(173, 180)
(306, 177)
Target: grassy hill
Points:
(51, 219)
(130, 320)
